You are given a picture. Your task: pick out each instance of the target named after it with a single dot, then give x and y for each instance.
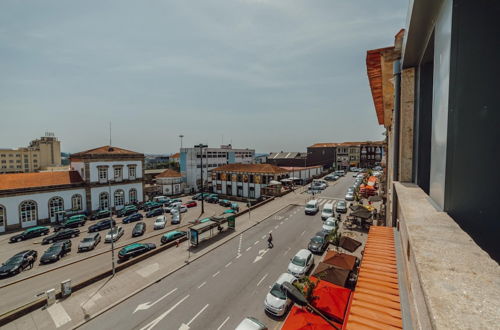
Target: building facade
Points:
(191, 160)
(323, 154)
(170, 182)
(285, 158)
(41, 154)
(371, 154)
(245, 180)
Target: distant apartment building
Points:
(260, 159)
(287, 158)
(371, 154)
(41, 154)
(191, 160)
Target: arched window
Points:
(3, 215)
(56, 204)
(28, 211)
(76, 202)
(103, 201)
(132, 195)
(119, 198)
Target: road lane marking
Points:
(148, 304)
(262, 279)
(198, 314)
(286, 251)
(239, 244)
(276, 227)
(222, 324)
(302, 233)
(218, 272)
(238, 256)
(256, 242)
(228, 264)
(202, 284)
(282, 222)
(153, 323)
(248, 248)
(263, 237)
(261, 255)
(58, 315)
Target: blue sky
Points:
(265, 74)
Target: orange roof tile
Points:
(252, 168)
(176, 155)
(168, 173)
(41, 179)
(324, 145)
(375, 302)
(105, 150)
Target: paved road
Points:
(221, 288)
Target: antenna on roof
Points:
(110, 134)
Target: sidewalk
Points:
(102, 295)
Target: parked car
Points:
(209, 196)
(127, 210)
(301, 263)
(161, 199)
(100, 215)
(60, 235)
(327, 211)
(72, 222)
(114, 234)
(152, 206)
(235, 206)
(349, 196)
(318, 243)
(340, 172)
(56, 251)
(160, 222)
(336, 177)
(176, 217)
(251, 323)
(197, 196)
(212, 199)
(30, 233)
(330, 177)
(177, 205)
(172, 236)
(155, 212)
(17, 263)
(311, 207)
(139, 229)
(101, 225)
(135, 249)
(341, 207)
(190, 204)
(133, 217)
(89, 242)
(276, 301)
(329, 225)
(229, 211)
(224, 202)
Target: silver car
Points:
(251, 323)
(349, 196)
(329, 225)
(114, 234)
(89, 242)
(301, 263)
(276, 302)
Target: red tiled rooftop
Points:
(41, 179)
(168, 173)
(176, 155)
(105, 150)
(375, 303)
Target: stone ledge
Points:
(459, 281)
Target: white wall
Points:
(234, 188)
(442, 44)
(94, 173)
(78, 166)
(42, 199)
(94, 192)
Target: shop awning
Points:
(340, 260)
(332, 274)
(301, 319)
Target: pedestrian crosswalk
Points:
(323, 201)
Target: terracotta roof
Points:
(344, 144)
(105, 150)
(252, 168)
(324, 145)
(375, 302)
(176, 155)
(41, 179)
(168, 173)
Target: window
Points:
(56, 204)
(76, 202)
(132, 196)
(103, 200)
(3, 155)
(119, 198)
(131, 172)
(118, 173)
(103, 173)
(4, 161)
(18, 155)
(28, 211)
(2, 216)
(251, 192)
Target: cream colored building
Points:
(41, 154)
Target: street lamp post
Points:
(201, 146)
(112, 230)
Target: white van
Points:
(320, 181)
(312, 207)
(327, 211)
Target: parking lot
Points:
(151, 236)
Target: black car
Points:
(155, 212)
(135, 249)
(17, 263)
(127, 210)
(139, 229)
(132, 218)
(30, 233)
(199, 196)
(101, 225)
(101, 214)
(56, 251)
(63, 234)
(318, 243)
(213, 199)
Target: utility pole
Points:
(201, 146)
(112, 229)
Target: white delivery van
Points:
(327, 211)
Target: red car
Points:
(190, 204)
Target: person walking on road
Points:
(270, 241)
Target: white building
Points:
(170, 182)
(29, 199)
(190, 162)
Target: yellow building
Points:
(41, 154)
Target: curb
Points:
(176, 269)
